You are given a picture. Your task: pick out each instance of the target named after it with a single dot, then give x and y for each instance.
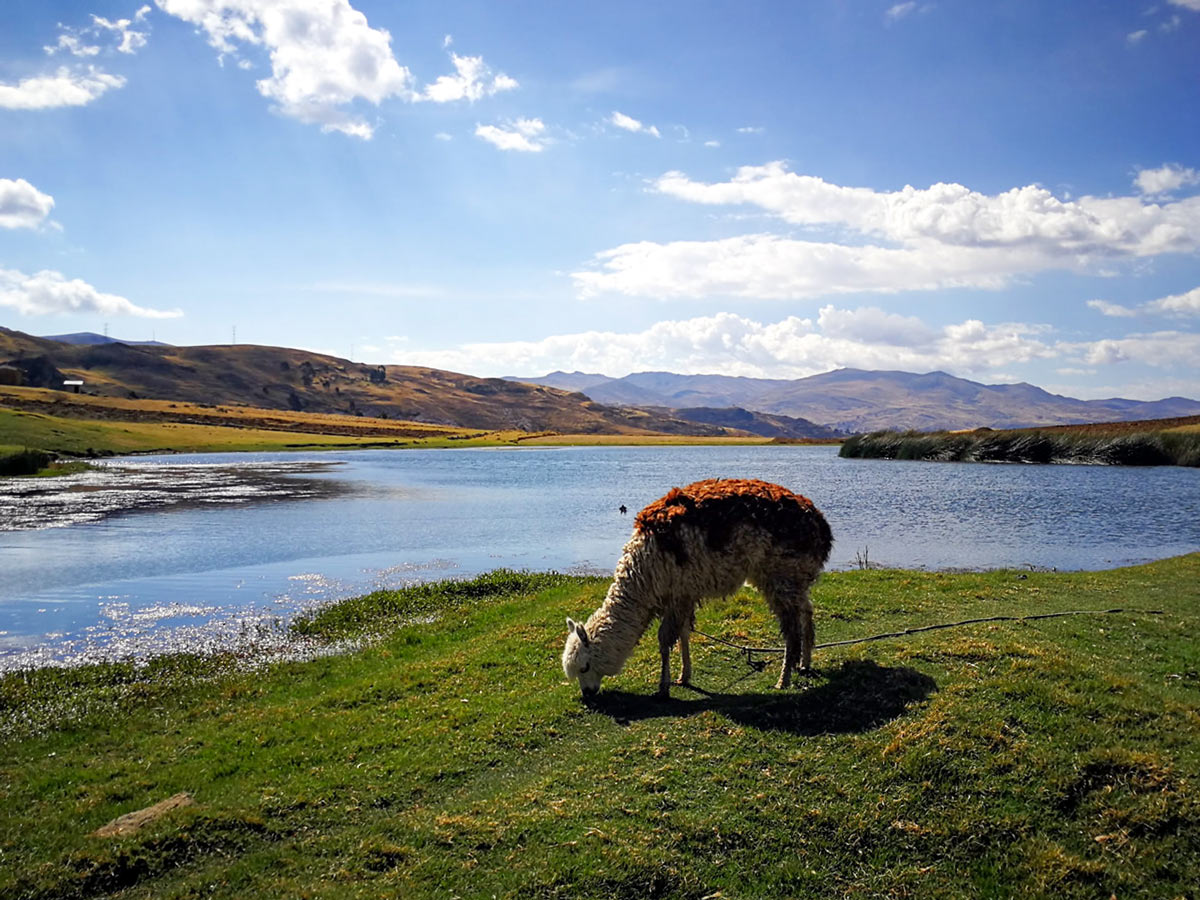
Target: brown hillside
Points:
(285, 379)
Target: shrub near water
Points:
(449, 757)
(23, 461)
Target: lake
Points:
(229, 546)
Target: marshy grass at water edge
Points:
(449, 757)
(1050, 446)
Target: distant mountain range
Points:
(857, 400)
(819, 407)
(90, 337)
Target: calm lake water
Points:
(196, 574)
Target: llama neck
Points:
(616, 627)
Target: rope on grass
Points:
(755, 664)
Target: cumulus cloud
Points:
(1165, 179)
(915, 239)
(66, 87)
(1111, 309)
(628, 123)
(524, 135)
(324, 55)
(1188, 4)
(325, 59)
(1177, 350)
(769, 267)
(49, 292)
(22, 205)
(1186, 304)
(472, 81)
(735, 345)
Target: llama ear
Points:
(570, 624)
(582, 632)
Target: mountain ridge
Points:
(857, 400)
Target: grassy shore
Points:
(82, 425)
(448, 757)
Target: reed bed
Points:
(1148, 448)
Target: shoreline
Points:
(267, 632)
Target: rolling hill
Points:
(286, 379)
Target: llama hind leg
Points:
(794, 611)
(808, 635)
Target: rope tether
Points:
(757, 665)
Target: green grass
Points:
(448, 758)
(85, 437)
(1131, 448)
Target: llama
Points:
(701, 541)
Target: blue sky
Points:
(1005, 191)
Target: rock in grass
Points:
(131, 822)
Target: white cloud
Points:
(751, 129)
(324, 55)
(472, 81)
(74, 45)
(942, 236)
(872, 325)
(443, 136)
(1111, 309)
(900, 10)
(766, 266)
(1186, 304)
(119, 33)
(1188, 4)
(22, 205)
(1136, 37)
(1177, 350)
(1165, 179)
(712, 143)
(325, 59)
(66, 87)
(628, 123)
(49, 292)
(734, 345)
(523, 135)
(130, 41)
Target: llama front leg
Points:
(685, 677)
(668, 633)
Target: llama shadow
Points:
(857, 696)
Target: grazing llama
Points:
(705, 540)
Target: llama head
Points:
(577, 659)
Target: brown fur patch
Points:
(718, 505)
